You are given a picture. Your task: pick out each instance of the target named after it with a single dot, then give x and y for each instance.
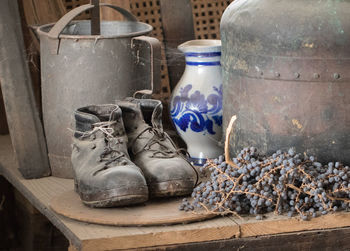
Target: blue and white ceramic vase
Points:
(196, 103)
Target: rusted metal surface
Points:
(80, 69)
(25, 127)
(286, 68)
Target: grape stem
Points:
(227, 142)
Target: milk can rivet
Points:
(336, 75)
(297, 75)
(277, 74)
(316, 75)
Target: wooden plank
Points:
(151, 213)
(23, 203)
(335, 239)
(22, 114)
(178, 28)
(216, 229)
(38, 12)
(35, 231)
(8, 169)
(278, 224)
(97, 237)
(109, 14)
(7, 216)
(32, 53)
(72, 248)
(3, 121)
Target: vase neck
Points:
(203, 58)
(202, 52)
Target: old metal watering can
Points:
(91, 62)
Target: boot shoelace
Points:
(109, 154)
(157, 138)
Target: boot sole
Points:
(113, 198)
(171, 188)
(118, 201)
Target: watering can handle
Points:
(153, 46)
(66, 19)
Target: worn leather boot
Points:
(167, 172)
(103, 172)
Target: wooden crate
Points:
(71, 4)
(206, 17)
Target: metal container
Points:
(80, 69)
(286, 70)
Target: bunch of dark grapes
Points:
(285, 182)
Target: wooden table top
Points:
(84, 236)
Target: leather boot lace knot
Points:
(110, 153)
(160, 138)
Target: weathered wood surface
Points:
(22, 114)
(330, 240)
(32, 55)
(3, 121)
(177, 22)
(151, 213)
(278, 224)
(258, 235)
(230, 230)
(39, 12)
(7, 206)
(109, 14)
(97, 237)
(35, 231)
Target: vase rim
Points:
(201, 45)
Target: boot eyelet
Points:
(93, 147)
(93, 137)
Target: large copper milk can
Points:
(286, 70)
(80, 69)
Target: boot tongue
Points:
(157, 116)
(87, 116)
(150, 110)
(132, 116)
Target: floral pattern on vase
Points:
(196, 111)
